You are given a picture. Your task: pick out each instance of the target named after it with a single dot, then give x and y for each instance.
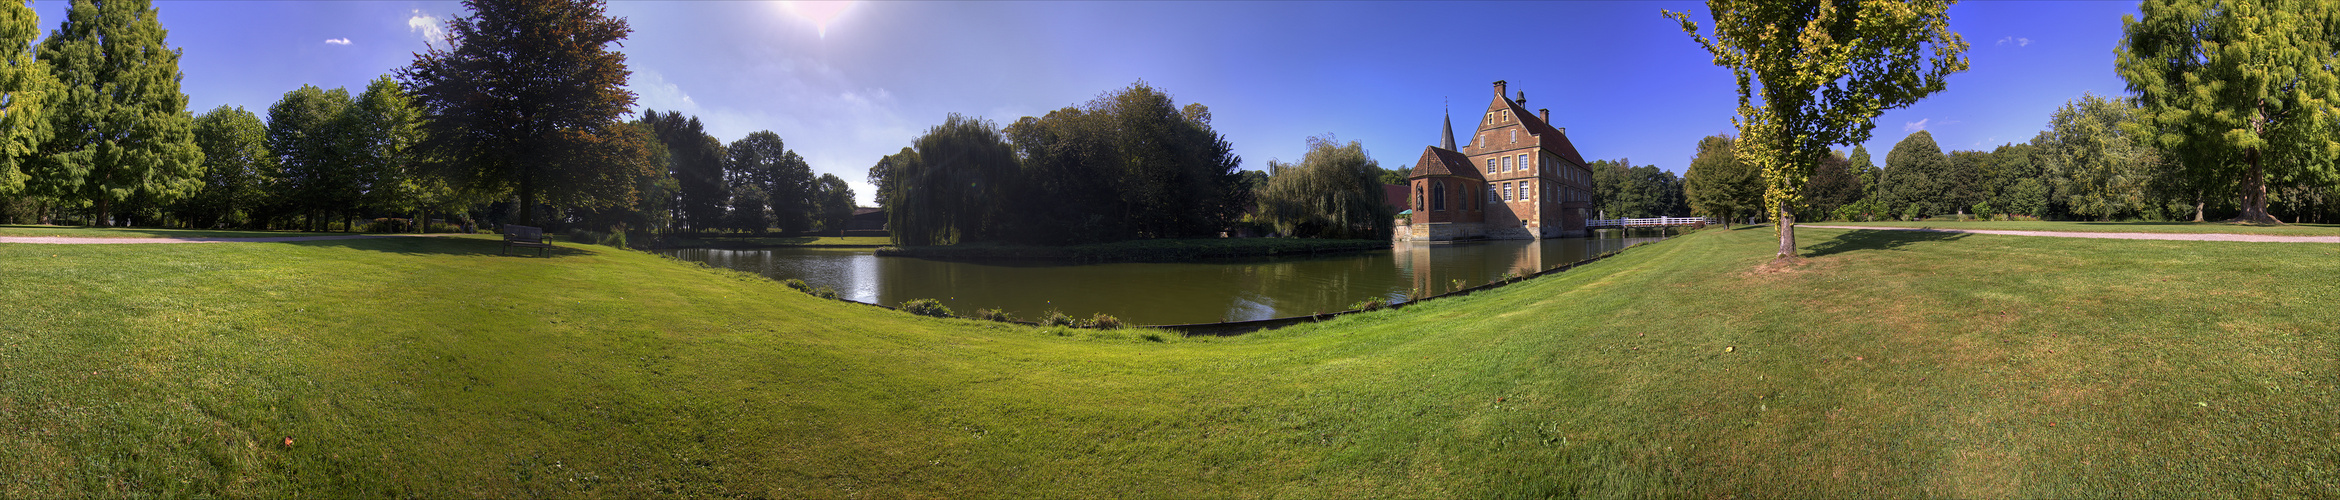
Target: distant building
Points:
(1395, 196)
(867, 219)
(1519, 178)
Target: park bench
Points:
(525, 237)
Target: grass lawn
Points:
(2112, 227)
(142, 232)
(779, 241)
(1894, 364)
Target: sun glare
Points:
(820, 12)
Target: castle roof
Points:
(1554, 139)
(1441, 161)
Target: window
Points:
(1507, 164)
(1523, 163)
(1437, 196)
(1524, 186)
(1515, 135)
(1507, 191)
(1490, 165)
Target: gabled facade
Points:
(1518, 178)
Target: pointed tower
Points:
(1447, 141)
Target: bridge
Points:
(1652, 222)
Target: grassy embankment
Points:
(1896, 364)
(2111, 227)
(142, 232)
(1161, 250)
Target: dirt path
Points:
(70, 240)
(2114, 236)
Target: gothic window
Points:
(1437, 196)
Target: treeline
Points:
(1130, 164)
(2092, 163)
(96, 132)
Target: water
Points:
(1172, 293)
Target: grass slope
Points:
(2113, 227)
(1895, 364)
(122, 232)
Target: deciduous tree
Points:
(520, 87)
(1719, 185)
(27, 90)
(122, 131)
(236, 165)
(1815, 73)
(2253, 81)
(1334, 192)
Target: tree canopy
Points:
(26, 94)
(122, 132)
(521, 88)
(2248, 80)
(1816, 73)
(1334, 192)
(1719, 185)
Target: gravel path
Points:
(69, 240)
(2114, 236)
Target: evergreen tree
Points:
(522, 86)
(122, 130)
(1824, 70)
(2249, 81)
(27, 92)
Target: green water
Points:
(1160, 294)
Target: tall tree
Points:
(315, 141)
(2105, 169)
(519, 86)
(1719, 185)
(27, 90)
(122, 130)
(386, 125)
(833, 202)
(763, 161)
(1129, 164)
(1335, 192)
(236, 165)
(1914, 173)
(2249, 80)
(1824, 70)
(882, 176)
(696, 162)
(951, 194)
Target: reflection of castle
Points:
(1535, 183)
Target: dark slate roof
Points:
(1441, 161)
(860, 211)
(1553, 139)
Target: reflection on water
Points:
(1157, 294)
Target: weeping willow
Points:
(1334, 192)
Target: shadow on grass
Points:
(1872, 239)
(445, 245)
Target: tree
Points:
(2248, 80)
(696, 162)
(1719, 185)
(1834, 184)
(951, 194)
(386, 125)
(521, 86)
(236, 164)
(763, 161)
(833, 203)
(1914, 175)
(882, 176)
(2105, 170)
(749, 210)
(1824, 70)
(310, 131)
(1128, 164)
(122, 131)
(26, 94)
(1334, 192)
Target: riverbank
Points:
(752, 242)
(1163, 250)
(1891, 364)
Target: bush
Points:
(1152, 336)
(1102, 321)
(1370, 304)
(1055, 318)
(994, 314)
(1983, 211)
(797, 284)
(926, 307)
(829, 293)
(1510, 276)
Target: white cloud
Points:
(429, 26)
(337, 41)
(652, 91)
(1916, 125)
(2018, 41)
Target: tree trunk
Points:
(2197, 205)
(528, 200)
(1787, 236)
(105, 212)
(2254, 193)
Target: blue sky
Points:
(1626, 82)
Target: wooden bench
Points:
(525, 237)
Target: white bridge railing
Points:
(1653, 222)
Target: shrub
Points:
(798, 285)
(1458, 285)
(831, 294)
(1982, 210)
(926, 307)
(1152, 336)
(994, 314)
(1102, 321)
(1055, 318)
(1509, 276)
(1370, 304)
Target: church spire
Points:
(1448, 141)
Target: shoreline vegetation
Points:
(1156, 250)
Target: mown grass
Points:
(143, 232)
(709, 241)
(1893, 364)
(2114, 227)
(1153, 250)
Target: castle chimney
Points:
(1499, 89)
(1545, 115)
(1523, 98)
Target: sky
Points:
(844, 83)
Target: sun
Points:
(820, 12)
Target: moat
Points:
(1168, 293)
